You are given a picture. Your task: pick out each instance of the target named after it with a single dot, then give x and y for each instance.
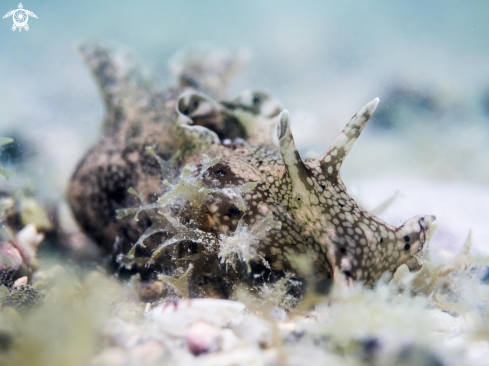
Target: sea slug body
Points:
(227, 177)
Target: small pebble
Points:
(20, 281)
(203, 338)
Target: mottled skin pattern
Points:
(137, 116)
(319, 219)
(318, 216)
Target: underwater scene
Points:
(244, 183)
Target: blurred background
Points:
(428, 61)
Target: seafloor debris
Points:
(22, 298)
(230, 199)
(88, 318)
(23, 224)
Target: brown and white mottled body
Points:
(319, 219)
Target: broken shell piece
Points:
(28, 239)
(176, 317)
(20, 282)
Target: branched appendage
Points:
(165, 165)
(235, 194)
(190, 188)
(207, 162)
(242, 245)
(184, 233)
(123, 212)
(180, 284)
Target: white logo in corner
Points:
(20, 16)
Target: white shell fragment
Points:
(175, 318)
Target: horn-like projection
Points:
(126, 86)
(331, 161)
(295, 167)
(206, 68)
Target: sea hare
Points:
(210, 188)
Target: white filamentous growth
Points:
(243, 244)
(239, 247)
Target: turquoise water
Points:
(426, 60)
